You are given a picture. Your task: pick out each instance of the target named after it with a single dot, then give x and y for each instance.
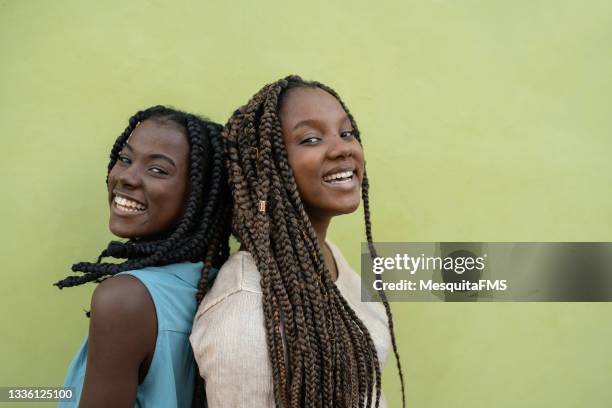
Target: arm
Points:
(229, 343)
(122, 334)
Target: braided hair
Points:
(203, 231)
(331, 358)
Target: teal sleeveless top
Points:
(170, 379)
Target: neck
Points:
(320, 226)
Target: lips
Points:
(339, 176)
(127, 204)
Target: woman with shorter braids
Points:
(284, 325)
(168, 195)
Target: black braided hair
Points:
(202, 233)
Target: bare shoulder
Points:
(122, 333)
(121, 299)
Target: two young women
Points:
(283, 324)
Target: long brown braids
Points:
(326, 356)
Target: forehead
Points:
(157, 136)
(301, 104)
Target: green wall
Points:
(482, 120)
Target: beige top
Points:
(229, 337)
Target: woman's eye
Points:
(347, 134)
(124, 159)
(158, 170)
(310, 140)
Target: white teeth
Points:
(339, 176)
(128, 205)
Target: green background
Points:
(482, 121)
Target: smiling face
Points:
(326, 158)
(148, 185)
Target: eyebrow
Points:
(314, 122)
(163, 157)
(154, 155)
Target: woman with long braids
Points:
(168, 196)
(284, 325)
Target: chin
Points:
(350, 206)
(351, 209)
(121, 231)
(347, 208)
(121, 234)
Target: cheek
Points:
(306, 175)
(169, 200)
(112, 175)
(359, 159)
(358, 153)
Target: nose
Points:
(129, 178)
(340, 148)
